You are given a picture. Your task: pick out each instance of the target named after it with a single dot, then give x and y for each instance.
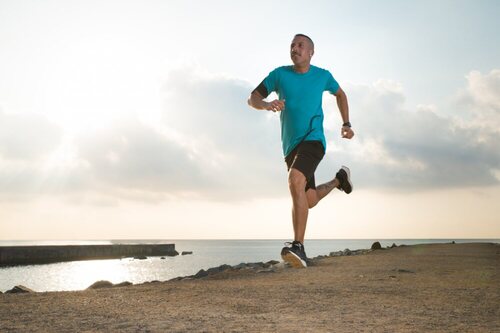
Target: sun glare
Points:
(63, 156)
(82, 274)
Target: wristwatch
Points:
(347, 124)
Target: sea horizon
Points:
(2, 241)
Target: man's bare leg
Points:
(302, 200)
(300, 208)
(321, 191)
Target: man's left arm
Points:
(343, 106)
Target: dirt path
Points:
(421, 288)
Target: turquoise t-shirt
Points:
(302, 117)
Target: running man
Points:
(300, 92)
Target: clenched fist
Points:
(347, 132)
(276, 105)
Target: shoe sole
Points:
(293, 260)
(348, 172)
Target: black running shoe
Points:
(294, 254)
(344, 178)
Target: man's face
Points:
(301, 51)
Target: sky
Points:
(128, 119)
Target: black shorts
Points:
(305, 158)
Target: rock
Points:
(177, 278)
(151, 282)
(240, 266)
(225, 267)
(270, 263)
(201, 273)
(256, 264)
(452, 242)
(311, 262)
(393, 245)
(186, 252)
(141, 257)
(100, 284)
(123, 284)
(20, 289)
(173, 254)
(347, 252)
(218, 269)
(335, 254)
(162, 258)
(405, 271)
(319, 257)
(376, 246)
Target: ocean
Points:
(78, 275)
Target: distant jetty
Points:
(43, 254)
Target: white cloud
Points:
(27, 143)
(481, 100)
(411, 149)
(27, 136)
(136, 161)
(240, 146)
(484, 88)
(133, 156)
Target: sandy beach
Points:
(420, 288)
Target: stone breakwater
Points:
(271, 266)
(43, 254)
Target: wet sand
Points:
(420, 288)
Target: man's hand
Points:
(257, 101)
(276, 105)
(347, 132)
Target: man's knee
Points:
(296, 180)
(312, 197)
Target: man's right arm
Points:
(256, 100)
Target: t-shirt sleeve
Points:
(270, 81)
(331, 84)
(268, 85)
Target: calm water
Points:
(78, 275)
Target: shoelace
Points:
(290, 244)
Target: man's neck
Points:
(301, 68)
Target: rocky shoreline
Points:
(271, 266)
